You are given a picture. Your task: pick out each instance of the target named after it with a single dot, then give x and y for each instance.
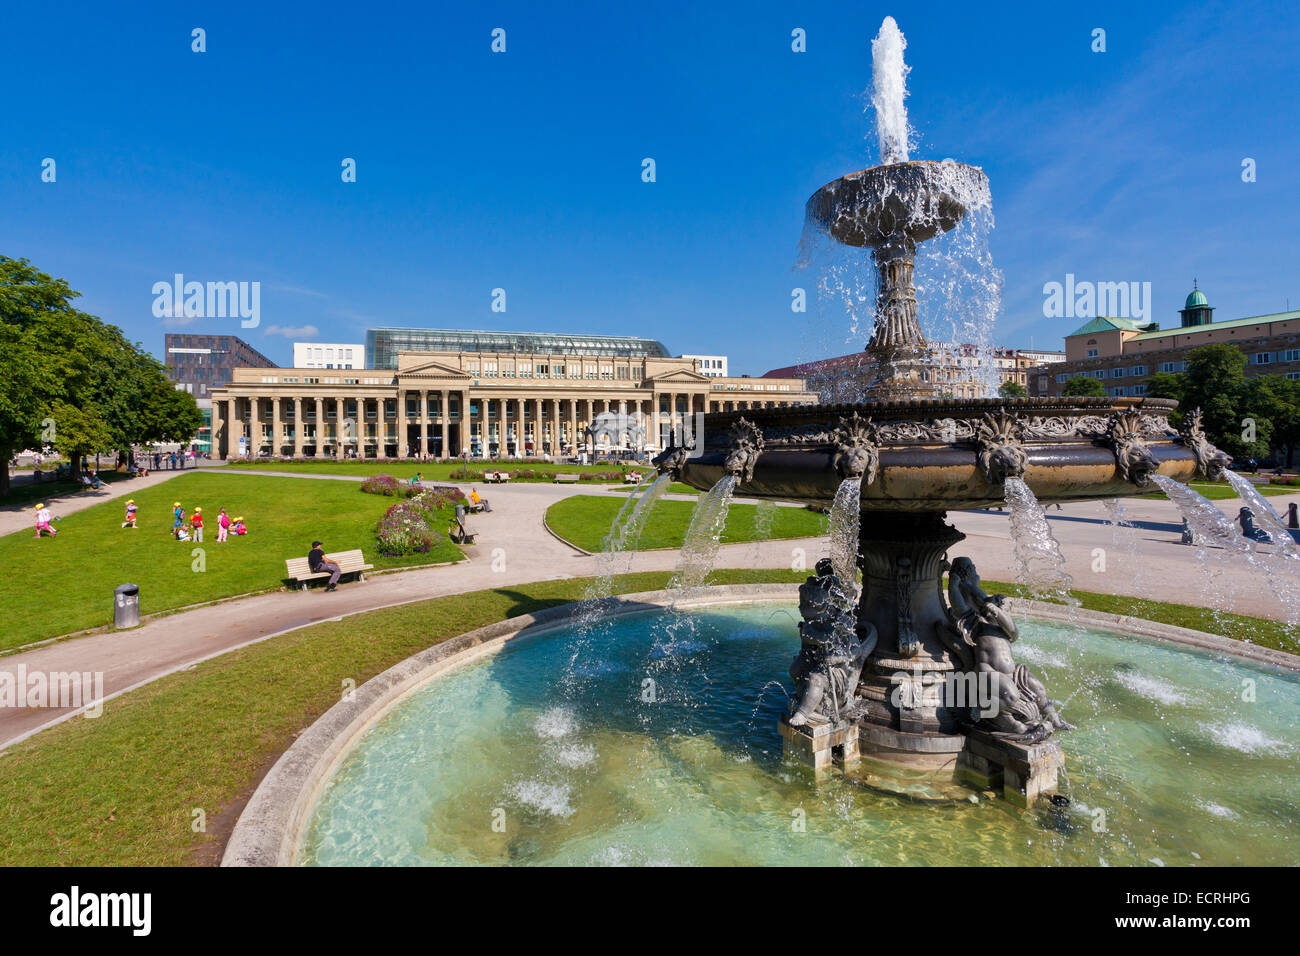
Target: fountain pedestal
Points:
(1023, 773)
(821, 746)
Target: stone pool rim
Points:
(269, 831)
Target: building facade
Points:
(710, 366)
(200, 363)
(384, 344)
(329, 355)
(959, 371)
(1123, 354)
(478, 404)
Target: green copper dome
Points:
(1196, 299)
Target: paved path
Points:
(1160, 568)
(17, 517)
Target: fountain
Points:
(924, 677)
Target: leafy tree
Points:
(1011, 389)
(69, 379)
(1083, 386)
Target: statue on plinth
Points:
(829, 664)
(1021, 710)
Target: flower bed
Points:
(408, 526)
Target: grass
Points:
(1221, 490)
(674, 488)
(51, 491)
(434, 470)
(584, 520)
(67, 582)
(122, 789)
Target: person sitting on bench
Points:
(320, 563)
(477, 502)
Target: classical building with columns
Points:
(450, 404)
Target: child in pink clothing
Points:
(223, 525)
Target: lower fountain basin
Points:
(938, 456)
(575, 766)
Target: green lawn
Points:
(66, 583)
(1221, 490)
(121, 789)
(674, 488)
(584, 520)
(432, 471)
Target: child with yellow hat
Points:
(130, 514)
(197, 524)
(43, 519)
(178, 518)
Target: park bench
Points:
(565, 479)
(497, 477)
(458, 532)
(349, 562)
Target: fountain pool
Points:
(1169, 765)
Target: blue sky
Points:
(523, 170)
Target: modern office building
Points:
(200, 363)
(479, 401)
(329, 355)
(1124, 353)
(961, 371)
(383, 345)
(711, 366)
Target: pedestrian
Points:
(130, 514)
(320, 563)
(197, 524)
(43, 519)
(178, 516)
(223, 525)
(239, 527)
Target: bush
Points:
(389, 486)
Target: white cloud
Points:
(293, 331)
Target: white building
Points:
(712, 366)
(326, 355)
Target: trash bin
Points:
(126, 605)
(460, 513)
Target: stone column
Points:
(537, 426)
(340, 411)
(573, 424)
(277, 442)
(444, 420)
(214, 433)
(255, 425)
(297, 427)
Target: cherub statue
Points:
(829, 664)
(1024, 711)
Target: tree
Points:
(1012, 389)
(70, 380)
(1083, 386)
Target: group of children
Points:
(192, 530)
(182, 529)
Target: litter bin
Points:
(126, 605)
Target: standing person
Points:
(223, 525)
(130, 514)
(178, 516)
(43, 519)
(320, 562)
(197, 524)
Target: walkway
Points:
(514, 548)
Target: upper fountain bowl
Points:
(948, 454)
(903, 201)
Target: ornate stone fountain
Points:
(925, 676)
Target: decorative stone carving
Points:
(1021, 709)
(672, 461)
(909, 645)
(829, 664)
(1001, 450)
(856, 454)
(746, 445)
(1133, 459)
(1210, 462)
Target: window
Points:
(1139, 389)
(1294, 376)
(1172, 368)
(1117, 373)
(1262, 358)
(1138, 370)
(1092, 353)
(1100, 373)
(1290, 355)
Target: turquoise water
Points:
(550, 753)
